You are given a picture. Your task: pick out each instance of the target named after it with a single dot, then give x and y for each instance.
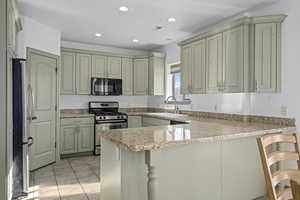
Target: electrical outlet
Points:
(216, 107)
(283, 110)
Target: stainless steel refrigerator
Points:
(22, 117)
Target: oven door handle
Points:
(111, 122)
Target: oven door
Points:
(104, 126)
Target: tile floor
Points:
(70, 179)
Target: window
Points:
(176, 83)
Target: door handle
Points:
(32, 118)
(29, 141)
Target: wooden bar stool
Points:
(274, 176)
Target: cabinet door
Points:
(68, 139)
(68, 68)
(11, 27)
(158, 76)
(265, 57)
(134, 121)
(198, 67)
(127, 76)
(86, 138)
(186, 66)
(233, 60)
(99, 66)
(83, 74)
(214, 71)
(140, 72)
(114, 67)
(151, 76)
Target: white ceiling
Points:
(79, 20)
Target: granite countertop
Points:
(198, 130)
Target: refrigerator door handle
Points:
(31, 115)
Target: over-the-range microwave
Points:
(106, 87)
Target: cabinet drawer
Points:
(77, 121)
(154, 122)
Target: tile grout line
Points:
(93, 171)
(60, 197)
(78, 181)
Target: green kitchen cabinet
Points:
(85, 138)
(114, 67)
(235, 42)
(214, 67)
(68, 139)
(134, 121)
(99, 66)
(193, 68)
(186, 68)
(156, 75)
(140, 71)
(76, 135)
(267, 58)
(150, 121)
(83, 74)
(198, 71)
(127, 76)
(68, 73)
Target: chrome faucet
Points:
(176, 108)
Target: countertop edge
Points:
(139, 148)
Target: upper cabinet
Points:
(198, 69)
(83, 73)
(127, 76)
(214, 64)
(267, 57)
(243, 56)
(140, 75)
(140, 80)
(68, 73)
(99, 69)
(186, 68)
(106, 67)
(13, 26)
(157, 75)
(193, 68)
(235, 53)
(114, 67)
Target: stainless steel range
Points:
(107, 116)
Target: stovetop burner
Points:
(106, 111)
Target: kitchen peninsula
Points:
(208, 158)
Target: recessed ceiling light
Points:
(98, 34)
(171, 19)
(123, 9)
(135, 40)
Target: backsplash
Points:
(197, 114)
(81, 101)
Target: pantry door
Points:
(43, 76)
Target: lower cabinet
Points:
(134, 121)
(149, 121)
(85, 138)
(68, 139)
(76, 136)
